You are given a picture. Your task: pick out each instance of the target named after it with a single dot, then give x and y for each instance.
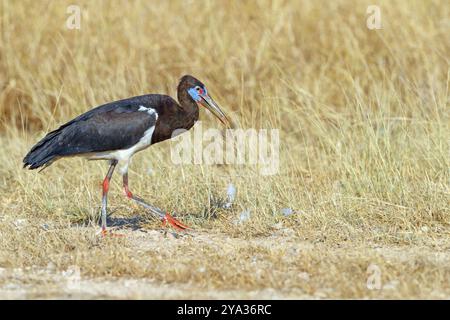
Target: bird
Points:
(117, 130)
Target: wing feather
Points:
(113, 126)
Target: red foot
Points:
(127, 192)
(106, 233)
(174, 222)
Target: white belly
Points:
(123, 156)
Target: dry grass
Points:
(364, 126)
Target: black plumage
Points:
(116, 125)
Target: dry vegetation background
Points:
(364, 126)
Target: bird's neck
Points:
(189, 106)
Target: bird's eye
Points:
(198, 89)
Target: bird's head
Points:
(198, 92)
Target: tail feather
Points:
(43, 153)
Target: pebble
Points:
(20, 223)
(287, 212)
(243, 217)
(231, 195)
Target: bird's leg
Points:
(164, 216)
(106, 182)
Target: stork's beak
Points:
(212, 106)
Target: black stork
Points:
(117, 130)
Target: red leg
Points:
(174, 222)
(165, 217)
(105, 189)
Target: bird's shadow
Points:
(134, 223)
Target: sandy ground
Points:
(49, 283)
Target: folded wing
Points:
(114, 126)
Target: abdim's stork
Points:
(116, 131)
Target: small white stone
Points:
(45, 227)
(231, 193)
(20, 223)
(202, 269)
(227, 205)
(243, 217)
(287, 211)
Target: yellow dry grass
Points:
(364, 157)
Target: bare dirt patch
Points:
(273, 267)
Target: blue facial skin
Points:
(195, 95)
